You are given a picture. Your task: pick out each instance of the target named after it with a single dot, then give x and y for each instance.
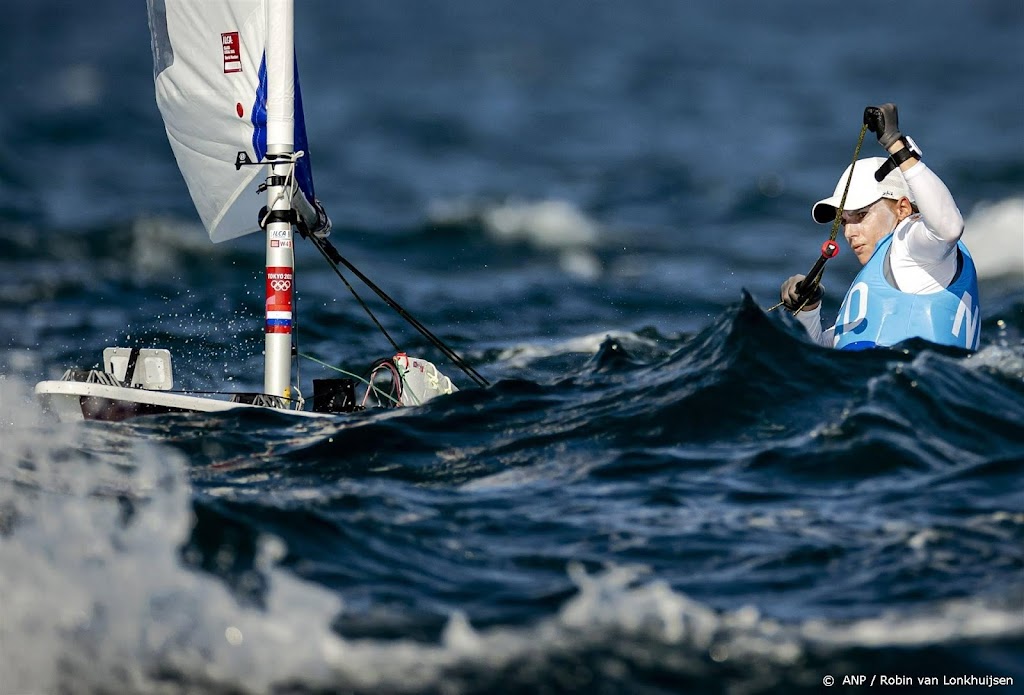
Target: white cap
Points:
(864, 190)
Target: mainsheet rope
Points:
(334, 259)
(809, 283)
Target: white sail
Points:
(209, 59)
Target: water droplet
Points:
(233, 635)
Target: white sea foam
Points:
(79, 85)
(18, 407)
(964, 619)
(523, 354)
(549, 225)
(1002, 358)
(102, 603)
(994, 232)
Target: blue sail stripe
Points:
(304, 168)
(258, 114)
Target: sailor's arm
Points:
(939, 210)
(810, 319)
(931, 196)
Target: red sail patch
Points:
(231, 44)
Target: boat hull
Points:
(76, 400)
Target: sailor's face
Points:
(864, 228)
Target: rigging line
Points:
(842, 201)
(811, 282)
(397, 382)
(368, 383)
(415, 323)
(331, 253)
(366, 308)
(290, 185)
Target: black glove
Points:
(792, 298)
(884, 122)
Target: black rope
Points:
(337, 271)
(329, 252)
(129, 370)
(809, 282)
(842, 202)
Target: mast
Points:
(280, 276)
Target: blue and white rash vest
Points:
(875, 313)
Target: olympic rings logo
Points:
(281, 285)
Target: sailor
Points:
(918, 279)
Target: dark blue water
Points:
(666, 488)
